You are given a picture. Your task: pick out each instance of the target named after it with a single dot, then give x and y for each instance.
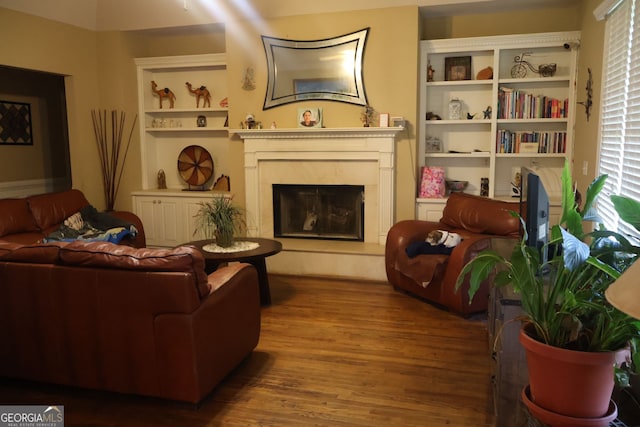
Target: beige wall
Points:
(103, 74)
(496, 24)
(39, 44)
(586, 133)
(390, 78)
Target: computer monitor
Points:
(534, 209)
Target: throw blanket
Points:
(91, 225)
(423, 248)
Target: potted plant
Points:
(220, 219)
(565, 310)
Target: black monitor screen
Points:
(534, 209)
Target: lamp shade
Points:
(624, 293)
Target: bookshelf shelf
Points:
(541, 107)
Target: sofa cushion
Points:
(108, 255)
(51, 209)
(6, 247)
(481, 215)
(36, 254)
(16, 217)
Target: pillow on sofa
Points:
(109, 255)
(16, 217)
(481, 215)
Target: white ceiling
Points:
(126, 15)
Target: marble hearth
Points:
(351, 156)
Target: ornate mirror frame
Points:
(329, 69)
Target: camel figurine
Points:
(201, 92)
(163, 93)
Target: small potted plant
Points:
(565, 310)
(220, 219)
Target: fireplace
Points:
(319, 211)
(360, 156)
(347, 156)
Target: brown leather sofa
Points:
(31, 219)
(111, 317)
(433, 276)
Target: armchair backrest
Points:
(481, 215)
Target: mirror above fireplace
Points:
(329, 69)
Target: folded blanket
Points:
(423, 248)
(91, 225)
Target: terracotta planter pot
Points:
(553, 419)
(573, 383)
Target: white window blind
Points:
(620, 117)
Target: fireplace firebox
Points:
(332, 212)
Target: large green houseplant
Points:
(563, 296)
(220, 219)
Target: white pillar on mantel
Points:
(345, 149)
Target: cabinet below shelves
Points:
(430, 209)
(168, 216)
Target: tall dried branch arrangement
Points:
(113, 154)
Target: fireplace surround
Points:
(338, 156)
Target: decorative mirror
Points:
(328, 69)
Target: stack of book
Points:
(517, 104)
(530, 142)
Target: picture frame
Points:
(457, 68)
(310, 117)
(397, 122)
(433, 145)
(15, 123)
(383, 120)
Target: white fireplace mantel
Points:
(299, 133)
(321, 156)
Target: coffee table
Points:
(255, 257)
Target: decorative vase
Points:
(553, 419)
(224, 238)
(573, 383)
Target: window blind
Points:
(619, 155)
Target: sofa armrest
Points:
(140, 240)
(200, 349)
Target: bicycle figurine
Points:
(519, 70)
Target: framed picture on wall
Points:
(15, 123)
(310, 117)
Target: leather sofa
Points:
(30, 219)
(432, 277)
(111, 317)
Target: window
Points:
(620, 117)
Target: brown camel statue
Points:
(163, 93)
(201, 92)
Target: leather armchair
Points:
(432, 277)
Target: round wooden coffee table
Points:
(255, 257)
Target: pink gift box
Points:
(432, 183)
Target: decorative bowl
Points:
(456, 186)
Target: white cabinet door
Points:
(170, 219)
(161, 218)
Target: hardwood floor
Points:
(331, 353)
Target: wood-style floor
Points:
(331, 353)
